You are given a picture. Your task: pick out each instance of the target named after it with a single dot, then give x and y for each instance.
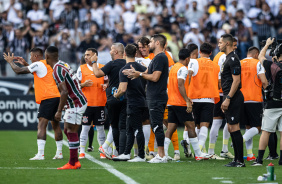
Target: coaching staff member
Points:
(232, 96)
(156, 75)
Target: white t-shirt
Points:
(129, 19)
(12, 14)
(79, 74)
(182, 73)
(57, 6)
(192, 37)
(194, 67)
(143, 61)
(39, 68)
(34, 16)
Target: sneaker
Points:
(149, 157)
(253, 158)
(216, 157)
(122, 157)
(81, 156)
(137, 159)
(203, 156)
(90, 149)
(58, 156)
(102, 156)
(77, 165)
(176, 156)
(226, 155)
(67, 166)
(169, 158)
(231, 164)
(184, 144)
(158, 159)
(271, 157)
(37, 157)
(256, 163)
(240, 164)
(114, 156)
(104, 152)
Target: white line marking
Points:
(42, 168)
(108, 167)
(226, 181)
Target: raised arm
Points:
(18, 70)
(262, 53)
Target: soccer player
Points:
(179, 105)
(72, 96)
(136, 105)
(233, 99)
(203, 89)
(253, 79)
(218, 117)
(46, 94)
(116, 108)
(156, 76)
(94, 91)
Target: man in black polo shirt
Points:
(116, 108)
(273, 110)
(156, 75)
(135, 92)
(233, 97)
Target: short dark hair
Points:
(228, 37)
(53, 52)
(130, 50)
(235, 39)
(183, 54)
(37, 50)
(82, 60)
(144, 40)
(93, 50)
(253, 49)
(191, 47)
(135, 44)
(160, 38)
(206, 48)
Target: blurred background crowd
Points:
(75, 25)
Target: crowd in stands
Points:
(75, 25)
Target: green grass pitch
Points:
(18, 146)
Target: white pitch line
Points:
(41, 168)
(108, 167)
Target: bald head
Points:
(117, 51)
(119, 47)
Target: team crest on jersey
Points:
(66, 65)
(85, 119)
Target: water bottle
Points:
(114, 89)
(270, 172)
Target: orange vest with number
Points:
(215, 60)
(94, 94)
(170, 60)
(205, 83)
(45, 87)
(251, 85)
(174, 96)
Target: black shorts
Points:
(95, 114)
(217, 111)
(156, 112)
(178, 115)
(233, 114)
(252, 114)
(48, 108)
(145, 115)
(203, 112)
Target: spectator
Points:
(3, 49)
(253, 14)
(86, 25)
(19, 46)
(55, 9)
(112, 15)
(40, 40)
(9, 31)
(4, 18)
(174, 14)
(126, 39)
(175, 45)
(94, 33)
(141, 29)
(97, 14)
(243, 39)
(36, 16)
(216, 5)
(205, 22)
(234, 7)
(154, 8)
(265, 21)
(194, 36)
(66, 46)
(194, 14)
(69, 19)
(12, 9)
(27, 31)
(129, 18)
(89, 42)
(240, 16)
(278, 23)
(216, 16)
(223, 20)
(140, 8)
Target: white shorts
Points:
(271, 119)
(74, 115)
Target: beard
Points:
(151, 50)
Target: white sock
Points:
(213, 134)
(59, 147)
(41, 146)
(166, 145)
(109, 139)
(195, 145)
(84, 137)
(249, 147)
(110, 149)
(135, 147)
(226, 136)
(197, 131)
(185, 135)
(250, 133)
(101, 135)
(115, 152)
(203, 136)
(147, 133)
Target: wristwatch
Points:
(94, 62)
(141, 74)
(228, 97)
